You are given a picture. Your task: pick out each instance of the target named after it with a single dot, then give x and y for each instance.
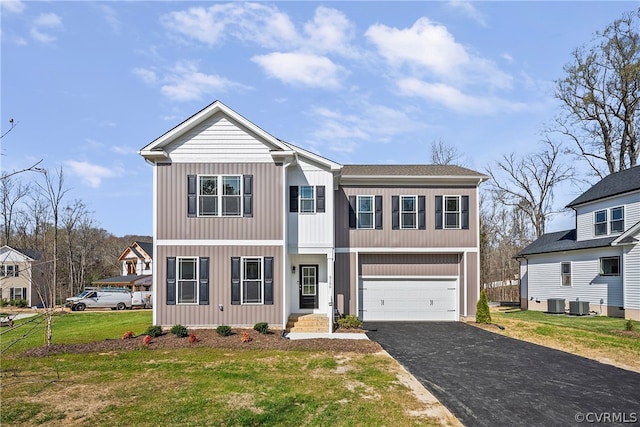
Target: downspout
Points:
(285, 243)
(154, 228)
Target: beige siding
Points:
(266, 223)
(345, 285)
(472, 283)
(220, 289)
(429, 238)
(409, 265)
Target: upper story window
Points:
(9, 270)
(610, 266)
(608, 221)
(219, 195)
(365, 212)
(187, 283)
(307, 199)
(408, 212)
(452, 212)
(565, 268)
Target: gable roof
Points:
(612, 185)
(147, 247)
(561, 241)
(7, 253)
(133, 248)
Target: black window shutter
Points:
(293, 198)
(171, 280)
(247, 189)
(192, 195)
(268, 280)
(203, 285)
(352, 211)
(395, 212)
(235, 280)
(421, 214)
(320, 199)
(378, 212)
(438, 212)
(465, 212)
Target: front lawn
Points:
(596, 337)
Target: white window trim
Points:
(600, 269)
(300, 199)
(611, 220)
(242, 279)
(219, 196)
(4, 270)
(23, 293)
(562, 274)
(608, 220)
(415, 212)
(178, 280)
(373, 212)
(445, 211)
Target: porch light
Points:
(293, 269)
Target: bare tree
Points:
(11, 192)
(600, 96)
(443, 153)
(72, 215)
(527, 183)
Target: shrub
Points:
(3, 302)
(146, 340)
(127, 335)
(245, 337)
(154, 331)
(628, 326)
(262, 327)
(21, 303)
(179, 331)
(193, 339)
(350, 321)
(483, 315)
(223, 330)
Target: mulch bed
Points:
(209, 338)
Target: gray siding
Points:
(173, 223)
(409, 265)
(388, 238)
(220, 289)
(345, 287)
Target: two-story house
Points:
(22, 276)
(248, 228)
(137, 267)
(597, 262)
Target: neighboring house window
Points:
(610, 266)
(451, 211)
(566, 273)
(408, 212)
(307, 199)
(600, 223)
(617, 220)
(365, 212)
(147, 265)
(252, 280)
(219, 195)
(18, 293)
(9, 270)
(187, 280)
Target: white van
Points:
(113, 298)
(143, 299)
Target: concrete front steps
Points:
(308, 323)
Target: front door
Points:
(308, 285)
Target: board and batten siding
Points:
(631, 268)
(409, 265)
(171, 209)
(210, 315)
(389, 238)
(544, 278)
(585, 214)
(219, 139)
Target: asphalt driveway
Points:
(487, 379)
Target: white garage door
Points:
(403, 299)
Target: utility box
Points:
(579, 308)
(555, 305)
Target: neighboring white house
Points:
(597, 262)
(21, 276)
(137, 267)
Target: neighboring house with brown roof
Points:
(248, 229)
(596, 266)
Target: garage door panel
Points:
(402, 299)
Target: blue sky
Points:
(90, 83)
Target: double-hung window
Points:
(617, 220)
(252, 281)
(187, 281)
(452, 212)
(565, 269)
(365, 212)
(307, 199)
(600, 223)
(408, 212)
(219, 195)
(18, 293)
(9, 270)
(610, 266)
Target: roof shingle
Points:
(611, 185)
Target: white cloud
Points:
(111, 17)
(330, 31)
(12, 6)
(301, 68)
(469, 10)
(148, 76)
(91, 174)
(42, 26)
(186, 83)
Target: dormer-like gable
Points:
(610, 207)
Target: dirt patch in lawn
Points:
(209, 338)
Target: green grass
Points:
(196, 386)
